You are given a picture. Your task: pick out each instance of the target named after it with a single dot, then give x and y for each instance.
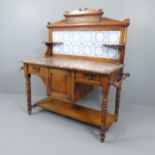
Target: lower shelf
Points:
(77, 112)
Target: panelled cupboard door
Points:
(60, 84)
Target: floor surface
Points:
(46, 133)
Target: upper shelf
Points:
(84, 12)
(52, 43)
(114, 45)
(84, 16)
(107, 45)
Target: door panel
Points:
(60, 84)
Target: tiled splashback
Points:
(86, 43)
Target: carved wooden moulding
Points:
(84, 16)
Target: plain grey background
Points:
(23, 29)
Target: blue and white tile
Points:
(86, 43)
(98, 52)
(112, 53)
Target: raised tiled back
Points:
(86, 43)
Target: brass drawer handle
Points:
(88, 77)
(36, 68)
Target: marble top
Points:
(76, 64)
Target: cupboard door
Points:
(60, 84)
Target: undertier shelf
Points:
(76, 112)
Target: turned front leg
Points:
(105, 92)
(117, 101)
(28, 92)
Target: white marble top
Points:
(75, 64)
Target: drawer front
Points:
(88, 78)
(35, 69)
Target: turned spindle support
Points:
(117, 101)
(105, 92)
(28, 84)
(28, 90)
(117, 85)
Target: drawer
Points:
(88, 78)
(35, 69)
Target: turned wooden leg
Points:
(105, 91)
(48, 83)
(117, 102)
(28, 92)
